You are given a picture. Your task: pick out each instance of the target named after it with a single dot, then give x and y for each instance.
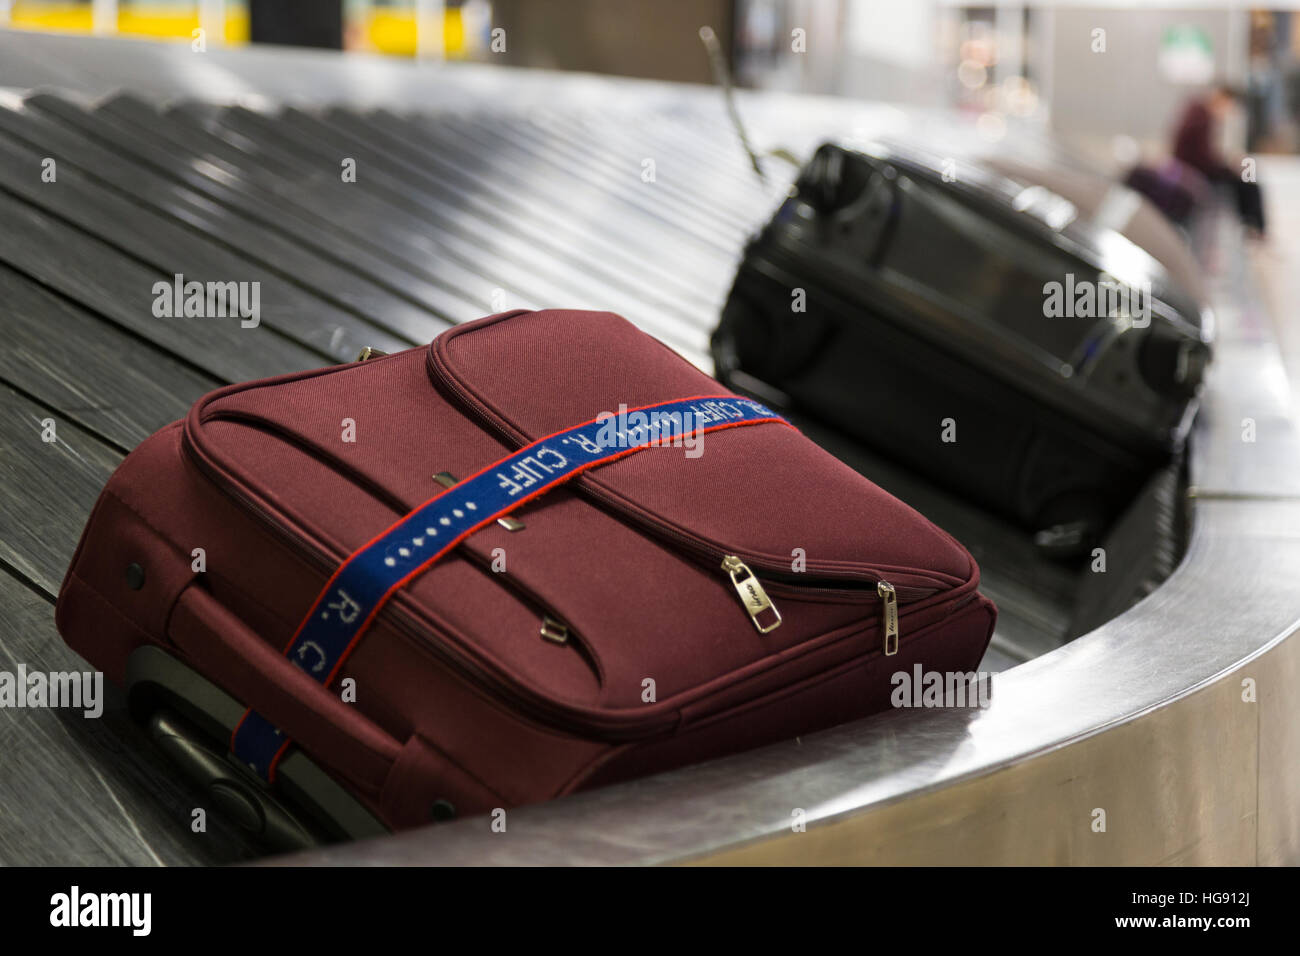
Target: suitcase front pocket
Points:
(650, 612)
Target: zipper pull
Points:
(889, 608)
(752, 595)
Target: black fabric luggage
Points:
(948, 323)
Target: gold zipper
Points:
(889, 608)
(752, 595)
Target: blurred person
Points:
(1196, 145)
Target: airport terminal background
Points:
(215, 95)
(1005, 62)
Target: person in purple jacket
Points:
(1196, 144)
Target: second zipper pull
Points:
(889, 608)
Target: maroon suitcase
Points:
(603, 635)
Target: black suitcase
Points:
(917, 312)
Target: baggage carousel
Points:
(1161, 695)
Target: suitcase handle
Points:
(190, 719)
(217, 642)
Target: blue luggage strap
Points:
(365, 581)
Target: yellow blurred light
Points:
(394, 30)
(160, 20)
(381, 29)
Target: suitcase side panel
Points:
(953, 645)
